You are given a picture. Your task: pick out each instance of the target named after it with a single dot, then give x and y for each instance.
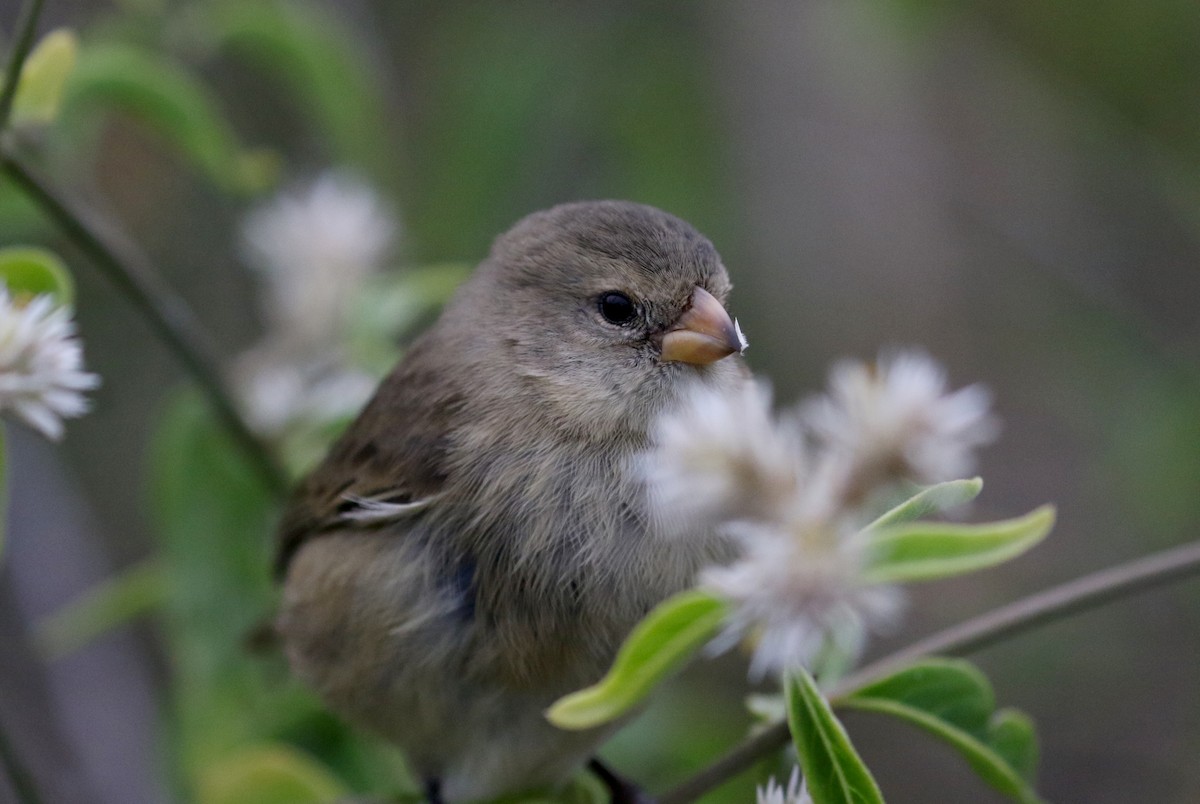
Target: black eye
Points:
(617, 308)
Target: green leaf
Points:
(42, 80)
(111, 604)
(174, 103)
(268, 774)
(921, 551)
(930, 500)
(1011, 734)
(953, 701)
(214, 521)
(662, 642)
(31, 271)
(833, 771)
(308, 50)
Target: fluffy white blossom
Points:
(278, 391)
(799, 593)
(315, 248)
(791, 490)
(722, 456)
(895, 419)
(41, 364)
(775, 793)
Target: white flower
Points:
(315, 249)
(792, 492)
(799, 592)
(722, 457)
(895, 419)
(794, 793)
(278, 392)
(41, 364)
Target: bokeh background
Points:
(1014, 186)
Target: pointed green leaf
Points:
(930, 500)
(42, 79)
(173, 102)
(1012, 735)
(953, 701)
(268, 774)
(922, 551)
(108, 605)
(833, 771)
(661, 643)
(32, 271)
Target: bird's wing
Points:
(388, 467)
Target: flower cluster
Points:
(795, 490)
(41, 364)
(315, 249)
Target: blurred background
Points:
(1014, 186)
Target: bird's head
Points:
(599, 313)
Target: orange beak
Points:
(703, 334)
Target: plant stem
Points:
(22, 44)
(168, 315)
(1072, 597)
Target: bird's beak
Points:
(703, 334)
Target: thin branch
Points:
(1056, 603)
(22, 44)
(168, 315)
(19, 777)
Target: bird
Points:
(478, 542)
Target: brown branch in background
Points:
(1056, 603)
(168, 315)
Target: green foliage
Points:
(922, 551)
(833, 771)
(173, 102)
(137, 591)
(215, 519)
(931, 500)
(669, 635)
(43, 77)
(609, 109)
(33, 271)
(901, 550)
(309, 52)
(953, 701)
(268, 774)
(393, 305)
(20, 219)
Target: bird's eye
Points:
(617, 308)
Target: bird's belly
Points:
(462, 684)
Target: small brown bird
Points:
(477, 544)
